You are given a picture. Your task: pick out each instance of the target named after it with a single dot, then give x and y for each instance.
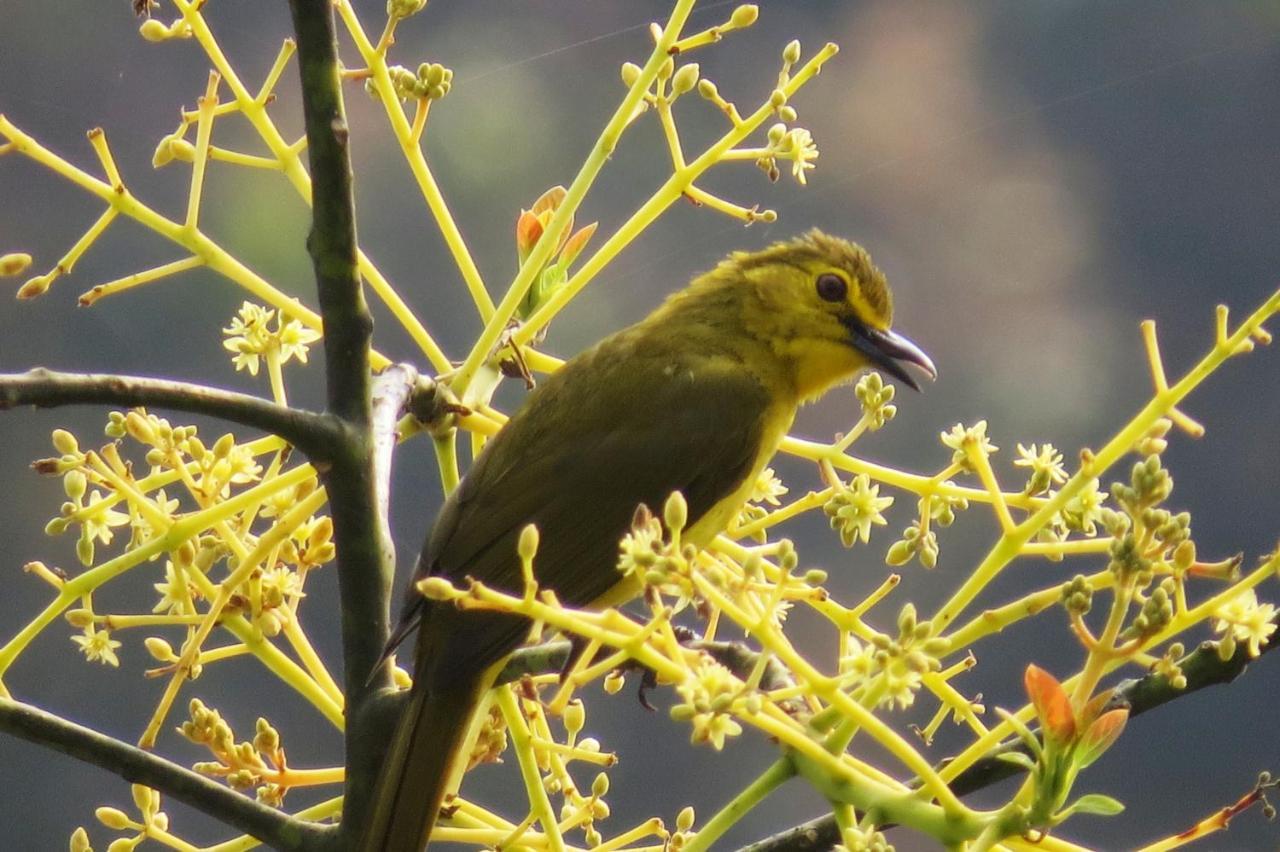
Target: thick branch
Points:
(348, 326)
(1202, 668)
(272, 827)
(312, 433)
(365, 557)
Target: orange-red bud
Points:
(1053, 705)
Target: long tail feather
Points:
(432, 731)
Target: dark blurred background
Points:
(1034, 177)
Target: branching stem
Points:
(133, 764)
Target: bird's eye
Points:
(832, 287)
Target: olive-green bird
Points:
(695, 399)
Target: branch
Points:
(272, 827)
(312, 433)
(391, 392)
(365, 560)
(1202, 668)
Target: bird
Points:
(694, 398)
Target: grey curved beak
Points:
(889, 351)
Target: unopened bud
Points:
(14, 263)
(676, 511)
(685, 79)
(745, 16)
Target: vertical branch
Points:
(365, 557)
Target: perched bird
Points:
(695, 399)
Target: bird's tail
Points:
(417, 769)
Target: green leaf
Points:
(1022, 731)
(1093, 803)
(1017, 758)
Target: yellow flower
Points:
(98, 645)
(173, 591)
(799, 147)
(768, 488)
(294, 338)
(960, 439)
(1084, 510)
(1247, 620)
(854, 508)
(248, 336)
(1046, 467)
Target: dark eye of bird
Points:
(832, 287)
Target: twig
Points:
(269, 825)
(365, 557)
(310, 432)
(1202, 668)
(391, 392)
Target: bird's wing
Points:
(580, 475)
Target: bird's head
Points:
(821, 306)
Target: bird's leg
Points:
(648, 681)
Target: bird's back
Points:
(628, 422)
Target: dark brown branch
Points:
(365, 560)
(269, 825)
(1202, 668)
(308, 431)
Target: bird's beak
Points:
(887, 350)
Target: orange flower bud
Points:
(1104, 731)
(528, 230)
(575, 244)
(1053, 706)
(549, 201)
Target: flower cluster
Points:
(251, 337)
(258, 763)
(893, 668)
(153, 822)
(431, 82)
(707, 696)
(656, 556)
(876, 398)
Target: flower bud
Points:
(600, 785)
(685, 79)
(745, 15)
(112, 818)
(528, 544)
(676, 511)
(75, 484)
(153, 31)
(79, 618)
(613, 682)
(14, 263)
(37, 286)
(146, 799)
(80, 840)
(159, 649)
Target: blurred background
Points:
(1034, 177)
